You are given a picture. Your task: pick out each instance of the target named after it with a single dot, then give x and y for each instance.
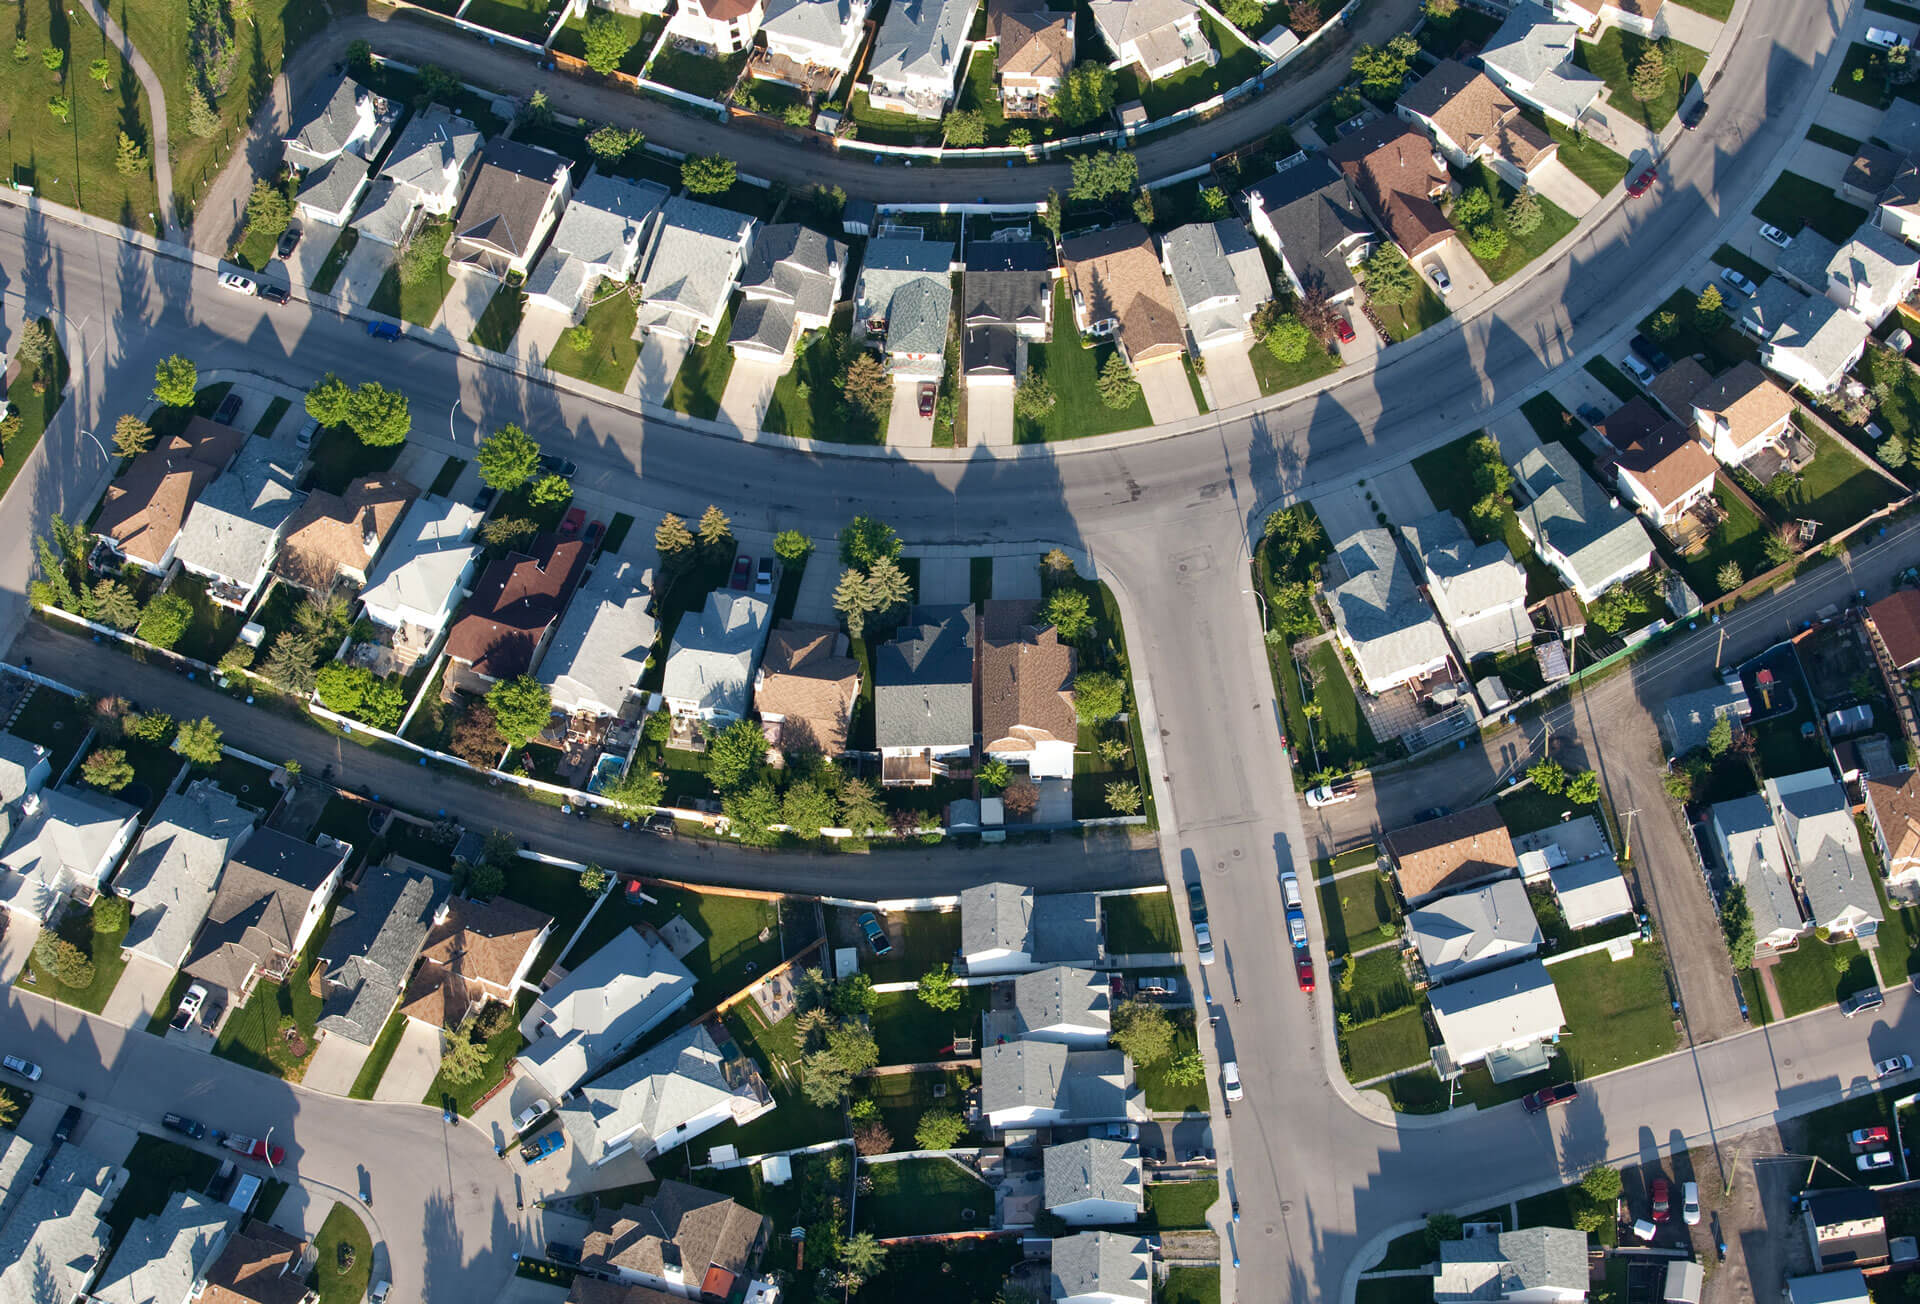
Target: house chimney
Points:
(441, 913)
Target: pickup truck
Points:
(1332, 794)
(68, 1121)
(534, 1151)
(252, 1148)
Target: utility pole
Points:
(1720, 647)
(1626, 847)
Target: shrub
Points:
(939, 1129)
(165, 620)
(66, 963)
(111, 914)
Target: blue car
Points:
(535, 1151)
(383, 330)
(876, 935)
(1297, 929)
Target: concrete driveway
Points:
(659, 362)
(539, 331)
(1169, 396)
(749, 390)
(366, 265)
(905, 426)
(1366, 340)
(1580, 386)
(990, 415)
(1554, 182)
(1230, 375)
(1016, 576)
(335, 1064)
(1818, 163)
(945, 581)
(17, 936)
(141, 989)
(1401, 495)
(415, 1064)
(460, 310)
(316, 242)
(1470, 280)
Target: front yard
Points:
(1162, 1095)
(274, 1031)
(1073, 371)
(1398, 1041)
(1615, 55)
(1406, 320)
(1819, 974)
(108, 964)
(608, 361)
(1141, 923)
(1586, 158)
(1793, 201)
(702, 378)
(1555, 224)
(341, 1278)
(36, 410)
(807, 402)
(1618, 1013)
(1276, 376)
(418, 303)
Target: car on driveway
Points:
(1641, 184)
(1343, 330)
(378, 1295)
(1441, 281)
(1303, 970)
(289, 239)
(1876, 1162)
(876, 936)
(63, 1130)
(1773, 235)
(187, 1127)
(763, 577)
(239, 284)
(928, 393)
(1639, 370)
(1230, 1074)
(1863, 1137)
(1590, 414)
(1650, 353)
(742, 574)
(1662, 1199)
(1742, 284)
(183, 1018)
(1550, 1097)
(1690, 1204)
(532, 1114)
(1883, 38)
(534, 1151)
(1332, 794)
(1893, 1064)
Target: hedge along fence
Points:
(580, 68)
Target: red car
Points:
(742, 574)
(1343, 330)
(1303, 970)
(927, 394)
(1641, 184)
(1662, 1210)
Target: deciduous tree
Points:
(1068, 611)
(107, 768)
(1142, 1030)
(381, 417)
(165, 620)
(606, 40)
(1098, 696)
(940, 990)
(708, 174)
(1096, 176)
(865, 539)
(613, 143)
(735, 755)
(522, 706)
(1086, 94)
(507, 459)
(199, 741)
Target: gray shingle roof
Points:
(1010, 295)
(1687, 719)
(711, 663)
(1749, 845)
(1066, 928)
(602, 644)
(1314, 214)
(1817, 829)
(502, 212)
(923, 681)
(52, 1239)
(1819, 334)
(171, 874)
(1465, 579)
(57, 846)
(1533, 47)
(1061, 996)
(18, 759)
(917, 320)
(1380, 609)
(435, 144)
(677, 1080)
(232, 529)
(921, 39)
(821, 21)
(995, 916)
(261, 905)
(1487, 925)
(766, 324)
(1121, 21)
(1569, 511)
(1093, 1169)
(334, 185)
(1218, 274)
(1534, 1260)
(796, 265)
(583, 1022)
(689, 271)
(328, 120)
(1110, 1265)
(369, 952)
(1870, 261)
(1086, 1086)
(598, 235)
(163, 1254)
(427, 554)
(1900, 126)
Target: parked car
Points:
(1693, 116)
(1303, 970)
(275, 293)
(1639, 370)
(68, 1121)
(928, 392)
(1230, 1074)
(1550, 1097)
(573, 521)
(252, 1148)
(1690, 1204)
(742, 574)
(1590, 414)
(1297, 929)
(187, 1127)
(383, 330)
(1441, 281)
(239, 284)
(229, 409)
(1742, 284)
(1773, 235)
(660, 824)
(876, 935)
(1641, 184)
(484, 499)
(1662, 1199)
(1203, 940)
(1158, 984)
(534, 1151)
(1196, 902)
(1875, 1162)
(1883, 38)
(289, 240)
(1120, 1131)
(1870, 999)
(554, 464)
(183, 1018)
(210, 1013)
(308, 430)
(1343, 329)
(378, 1295)
(1863, 1137)
(763, 577)
(1650, 353)
(1332, 794)
(532, 1114)
(1893, 1064)
(1290, 889)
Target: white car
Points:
(1883, 38)
(1440, 279)
(238, 284)
(1690, 1204)
(1741, 283)
(1875, 1162)
(378, 1295)
(1773, 235)
(1639, 370)
(532, 1114)
(1230, 1073)
(1332, 794)
(1886, 1068)
(26, 1068)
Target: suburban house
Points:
(789, 287)
(1897, 207)
(1026, 674)
(601, 647)
(24, 770)
(333, 539)
(1535, 1265)
(1473, 931)
(234, 528)
(1045, 1084)
(336, 135)
(378, 929)
(270, 900)
(1748, 845)
(165, 1257)
(1807, 339)
(923, 696)
(663, 1098)
(1160, 37)
(1841, 1286)
(1471, 119)
(1120, 290)
(598, 239)
(810, 43)
(1641, 17)
(1591, 891)
(1379, 615)
(516, 196)
(476, 952)
(170, 876)
(1101, 1268)
(1221, 279)
(1894, 622)
(1531, 57)
(696, 253)
(709, 671)
(1741, 413)
(261, 1265)
(147, 504)
(917, 56)
(1686, 719)
(1845, 1228)
(425, 176)
(1479, 590)
(1663, 471)
(805, 690)
(1592, 543)
(52, 1237)
(1866, 277)
(64, 844)
(716, 27)
(601, 1009)
(903, 300)
(1007, 299)
(503, 626)
(1006, 928)
(1400, 179)
(1452, 853)
(1063, 1003)
(1033, 49)
(1822, 843)
(686, 1242)
(1507, 1018)
(1307, 214)
(424, 572)
(1093, 1183)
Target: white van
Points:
(1290, 889)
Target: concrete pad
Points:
(142, 987)
(495, 1117)
(990, 415)
(1850, 117)
(1689, 26)
(37, 1123)
(361, 276)
(1818, 163)
(659, 362)
(681, 937)
(17, 936)
(1617, 129)
(1056, 802)
(415, 1065)
(1515, 434)
(1366, 341)
(749, 390)
(302, 1212)
(814, 604)
(1343, 512)
(1230, 375)
(539, 332)
(1579, 386)
(945, 581)
(317, 240)
(1016, 576)
(1401, 495)
(1470, 280)
(460, 311)
(336, 1063)
(1169, 396)
(106, 1138)
(905, 426)
(1555, 182)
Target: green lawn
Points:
(1723, 346)
(1072, 370)
(703, 376)
(1140, 924)
(609, 360)
(1794, 201)
(56, 721)
(156, 1169)
(794, 1121)
(497, 324)
(1394, 1290)
(1555, 224)
(887, 127)
(526, 19)
(1586, 158)
(807, 402)
(336, 260)
(955, 1272)
(213, 628)
(554, 891)
(1862, 77)
(909, 1031)
(338, 1285)
(77, 927)
(1187, 1284)
(420, 303)
(1835, 489)
(1609, 375)
(73, 162)
(1174, 1205)
(1341, 732)
(1832, 139)
(1727, 256)
(904, 1097)
(914, 1197)
(643, 30)
(697, 74)
(1162, 1096)
(1741, 537)
(921, 940)
(1406, 320)
(36, 411)
(1354, 909)
(273, 1032)
(501, 1049)
(1237, 62)
(1528, 810)
(1617, 1013)
(1379, 986)
(270, 419)
(375, 1066)
(1612, 59)
(978, 92)
(252, 784)
(1398, 1041)
(1820, 974)
(1276, 376)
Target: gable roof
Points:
(436, 142)
(907, 282)
(170, 876)
(1896, 619)
(923, 680)
(509, 195)
(1092, 1169)
(1112, 1265)
(58, 845)
(1007, 282)
(711, 662)
(656, 1092)
(1121, 21)
(996, 917)
(1218, 274)
(1451, 852)
(1085, 1086)
(601, 647)
(681, 1226)
(689, 270)
(164, 1254)
(601, 1007)
(517, 598)
(1531, 46)
(1393, 167)
(919, 315)
(262, 901)
(333, 534)
(1667, 461)
(1470, 576)
(471, 954)
(1061, 995)
(1533, 1259)
(261, 1265)
(331, 186)
(1314, 214)
(1869, 260)
(18, 759)
(1115, 274)
(920, 38)
(1380, 610)
(430, 551)
(329, 118)
(821, 21)
(1815, 330)
(1749, 845)
(1030, 40)
(1474, 927)
(1475, 113)
(1569, 511)
(1026, 678)
(146, 506)
(797, 265)
(809, 683)
(1817, 829)
(378, 929)
(232, 528)
(598, 235)
(52, 1238)
(1745, 399)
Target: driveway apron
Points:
(1230, 373)
(990, 415)
(415, 1064)
(1169, 396)
(660, 359)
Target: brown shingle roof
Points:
(1031, 40)
(517, 598)
(1473, 111)
(1451, 852)
(261, 1265)
(709, 1230)
(1679, 385)
(327, 537)
(1748, 400)
(1896, 806)
(146, 507)
(1116, 274)
(1393, 168)
(594, 1290)
(725, 11)
(806, 683)
(1668, 462)
(1026, 679)
(470, 957)
(1896, 619)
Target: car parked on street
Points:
(1893, 1064)
(378, 1295)
(1203, 940)
(1870, 999)
(1230, 1075)
(1742, 284)
(876, 935)
(1641, 184)
(1303, 970)
(239, 284)
(26, 1068)
(189, 1011)
(383, 330)
(1290, 889)
(1550, 1097)
(1883, 38)
(1695, 113)
(1773, 235)
(275, 293)
(187, 1127)
(1297, 929)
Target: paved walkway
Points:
(156, 105)
(1690, 26)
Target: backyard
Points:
(55, 721)
(912, 1197)
(1072, 371)
(1836, 489)
(641, 29)
(1237, 62)
(742, 935)
(696, 74)
(1615, 55)
(1618, 1012)
(919, 939)
(909, 1031)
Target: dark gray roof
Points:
(509, 195)
(334, 184)
(1093, 1169)
(797, 264)
(1010, 256)
(918, 317)
(1066, 928)
(766, 323)
(1314, 213)
(1007, 294)
(261, 903)
(923, 681)
(376, 936)
(1110, 1265)
(995, 916)
(1566, 508)
(921, 38)
(328, 119)
(989, 350)
(1380, 607)
(1086, 1086)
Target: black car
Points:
(187, 1127)
(1650, 353)
(288, 239)
(483, 500)
(274, 293)
(1196, 903)
(553, 464)
(68, 1121)
(1691, 118)
(1592, 415)
(229, 409)
(562, 1252)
